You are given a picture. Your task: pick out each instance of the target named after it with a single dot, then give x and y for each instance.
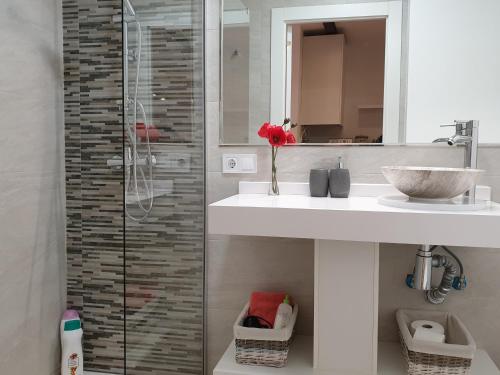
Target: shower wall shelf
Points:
(346, 234)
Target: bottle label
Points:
(73, 363)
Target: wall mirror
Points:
(367, 72)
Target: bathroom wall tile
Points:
(27, 43)
(36, 302)
(238, 265)
(212, 14)
(33, 218)
(239, 262)
(32, 270)
(165, 312)
(220, 186)
(40, 70)
(364, 160)
(212, 125)
(32, 122)
(30, 87)
(488, 159)
(494, 182)
(19, 362)
(212, 67)
(219, 334)
(294, 163)
(28, 16)
(93, 135)
(370, 161)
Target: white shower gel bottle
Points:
(284, 314)
(71, 344)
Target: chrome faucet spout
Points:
(459, 139)
(441, 140)
(466, 133)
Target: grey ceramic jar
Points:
(318, 182)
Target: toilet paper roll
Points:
(427, 330)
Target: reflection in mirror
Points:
(333, 69)
(337, 81)
(453, 71)
(319, 63)
(235, 65)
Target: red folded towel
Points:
(265, 305)
(154, 134)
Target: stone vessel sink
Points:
(431, 182)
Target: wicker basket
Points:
(263, 347)
(428, 358)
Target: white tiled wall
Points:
(32, 265)
(238, 265)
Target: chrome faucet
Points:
(466, 133)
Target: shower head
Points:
(128, 6)
(128, 15)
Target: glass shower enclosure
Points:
(135, 182)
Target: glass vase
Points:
(274, 188)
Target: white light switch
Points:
(239, 163)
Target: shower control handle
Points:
(116, 162)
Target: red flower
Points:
(290, 138)
(263, 131)
(276, 136)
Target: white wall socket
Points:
(239, 163)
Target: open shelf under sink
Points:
(300, 359)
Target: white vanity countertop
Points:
(353, 219)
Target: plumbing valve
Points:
(409, 281)
(459, 283)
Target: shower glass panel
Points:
(134, 153)
(163, 162)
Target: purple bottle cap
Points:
(70, 315)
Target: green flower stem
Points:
(274, 181)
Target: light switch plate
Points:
(239, 163)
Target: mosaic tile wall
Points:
(160, 329)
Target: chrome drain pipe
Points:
(437, 295)
(422, 276)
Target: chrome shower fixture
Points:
(129, 8)
(128, 15)
(139, 185)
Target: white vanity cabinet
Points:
(347, 233)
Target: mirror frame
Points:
(281, 18)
